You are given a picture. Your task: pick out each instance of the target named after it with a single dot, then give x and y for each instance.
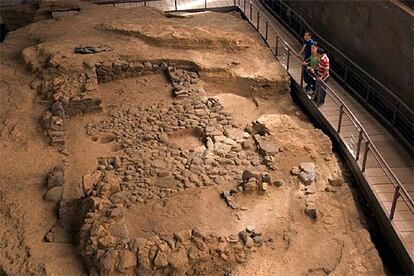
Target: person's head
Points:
(314, 48)
(320, 51)
(307, 36)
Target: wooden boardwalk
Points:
(397, 158)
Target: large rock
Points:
(307, 172)
(56, 177)
(54, 194)
(179, 262)
(273, 123)
(127, 261)
(265, 145)
(236, 134)
(89, 181)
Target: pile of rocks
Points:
(107, 247)
(255, 181)
(54, 184)
(154, 166)
(250, 237)
(184, 82)
(92, 49)
(306, 173)
(117, 69)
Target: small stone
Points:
(54, 194)
(148, 65)
(336, 182)
(127, 260)
(295, 170)
(310, 210)
(196, 232)
(249, 242)
(263, 186)
(258, 239)
(278, 183)
(250, 229)
(182, 236)
(161, 259)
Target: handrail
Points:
(396, 107)
(399, 188)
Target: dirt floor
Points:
(137, 143)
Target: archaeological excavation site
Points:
(139, 142)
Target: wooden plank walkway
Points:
(395, 155)
(397, 158)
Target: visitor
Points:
(310, 66)
(322, 75)
(306, 49)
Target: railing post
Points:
(234, 3)
(277, 44)
(288, 59)
(364, 160)
(251, 11)
(346, 74)
(359, 145)
(175, 4)
(205, 4)
(266, 30)
(145, 3)
(394, 116)
(258, 21)
(244, 7)
(341, 112)
(394, 202)
(302, 71)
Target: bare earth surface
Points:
(169, 146)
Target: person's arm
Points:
(301, 50)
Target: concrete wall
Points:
(377, 35)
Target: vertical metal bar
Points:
(175, 4)
(394, 202)
(288, 59)
(145, 3)
(244, 7)
(251, 11)
(277, 44)
(266, 30)
(394, 115)
(359, 145)
(234, 3)
(367, 97)
(341, 113)
(301, 74)
(346, 74)
(364, 160)
(205, 4)
(258, 21)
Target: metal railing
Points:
(388, 108)
(284, 53)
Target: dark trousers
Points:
(320, 93)
(306, 75)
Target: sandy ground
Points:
(235, 67)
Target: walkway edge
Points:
(392, 239)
